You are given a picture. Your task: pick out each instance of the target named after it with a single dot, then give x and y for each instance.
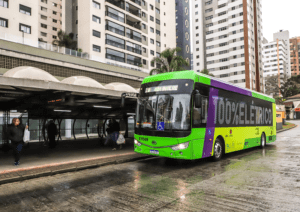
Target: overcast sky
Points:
(280, 14)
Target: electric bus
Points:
(189, 115)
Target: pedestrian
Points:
(52, 132)
(113, 133)
(15, 133)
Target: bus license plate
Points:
(154, 152)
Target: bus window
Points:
(200, 114)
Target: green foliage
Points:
(205, 71)
(65, 40)
(168, 61)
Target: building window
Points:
(43, 34)
(25, 28)
(4, 3)
(44, 9)
(54, 12)
(157, 43)
(151, 18)
(152, 52)
(144, 26)
(96, 48)
(54, 4)
(151, 41)
(151, 29)
(54, 28)
(144, 62)
(157, 11)
(158, 21)
(143, 14)
(25, 10)
(96, 19)
(44, 1)
(143, 3)
(96, 33)
(4, 22)
(54, 37)
(144, 37)
(115, 55)
(44, 26)
(144, 50)
(55, 21)
(158, 32)
(157, 54)
(151, 7)
(96, 5)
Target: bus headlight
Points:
(180, 146)
(137, 143)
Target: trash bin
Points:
(283, 121)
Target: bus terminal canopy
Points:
(32, 90)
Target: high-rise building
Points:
(183, 37)
(228, 40)
(129, 33)
(285, 36)
(295, 52)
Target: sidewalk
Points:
(38, 160)
(282, 130)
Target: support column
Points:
(68, 128)
(86, 129)
(74, 129)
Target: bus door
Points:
(199, 121)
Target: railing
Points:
(116, 58)
(132, 62)
(138, 51)
(134, 12)
(114, 43)
(66, 51)
(118, 4)
(114, 16)
(133, 37)
(137, 2)
(130, 23)
(115, 30)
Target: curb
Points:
(14, 176)
(287, 129)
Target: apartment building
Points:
(131, 32)
(183, 34)
(276, 59)
(50, 19)
(127, 33)
(227, 40)
(294, 53)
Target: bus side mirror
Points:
(198, 99)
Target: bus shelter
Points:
(78, 102)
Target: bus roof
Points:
(205, 79)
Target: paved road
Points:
(252, 180)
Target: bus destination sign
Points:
(162, 88)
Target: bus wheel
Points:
(263, 140)
(218, 150)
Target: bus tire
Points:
(263, 140)
(218, 150)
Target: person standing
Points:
(52, 132)
(15, 133)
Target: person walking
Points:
(113, 133)
(15, 133)
(52, 132)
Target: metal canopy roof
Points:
(41, 98)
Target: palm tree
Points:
(169, 61)
(205, 71)
(65, 40)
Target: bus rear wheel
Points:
(218, 150)
(263, 140)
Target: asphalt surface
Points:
(252, 180)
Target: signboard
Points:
(297, 109)
(162, 88)
(160, 126)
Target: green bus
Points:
(188, 115)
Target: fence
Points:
(66, 51)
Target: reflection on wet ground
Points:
(251, 180)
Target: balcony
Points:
(136, 25)
(128, 35)
(133, 62)
(114, 57)
(131, 49)
(115, 16)
(117, 3)
(133, 10)
(137, 2)
(115, 44)
(115, 30)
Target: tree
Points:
(205, 71)
(169, 61)
(288, 87)
(65, 40)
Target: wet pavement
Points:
(252, 180)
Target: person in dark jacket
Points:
(15, 133)
(52, 132)
(113, 132)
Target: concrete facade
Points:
(228, 40)
(294, 53)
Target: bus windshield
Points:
(164, 112)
